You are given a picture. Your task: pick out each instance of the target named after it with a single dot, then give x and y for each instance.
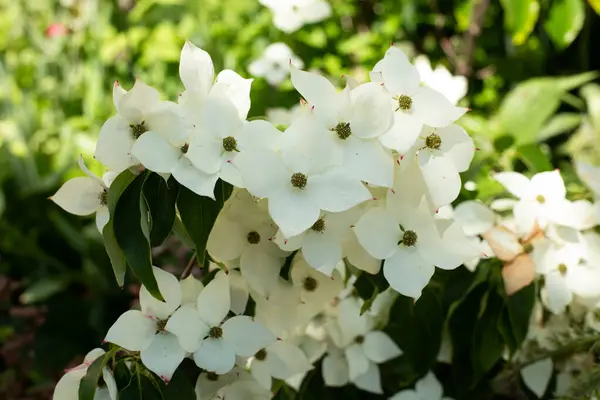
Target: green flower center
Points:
(409, 238)
(253, 237)
(360, 339)
(562, 268)
(160, 325)
(299, 180)
(103, 197)
(230, 144)
(215, 332)
(540, 199)
(527, 248)
(343, 130)
(319, 226)
(261, 355)
(310, 284)
(404, 102)
(138, 130)
(433, 141)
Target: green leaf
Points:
(115, 253)
(417, 329)
(574, 81)
(43, 289)
(488, 343)
(565, 21)
(198, 214)
(560, 123)
(182, 385)
(89, 383)
(595, 4)
(526, 108)
(140, 388)
(520, 17)
(160, 196)
(591, 94)
(534, 158)
(130, 235)
(519, 307)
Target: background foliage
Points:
(535, 104)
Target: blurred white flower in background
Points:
(274, 63)
(291, 15)
(284, 116)
(440, 79)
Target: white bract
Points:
(541, 199)
(280, 360)
(145, 330)
(86, 195)
(67, 387)
(291, 15)
(428, 388)
(197, 74)
(356, 118)
(414, 105)
(300, 183)
(274, 63)
(440, 79)
(140, 111)
(243, 231)
(214, 339)
(411, 245)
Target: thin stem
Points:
(189, 267)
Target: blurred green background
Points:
(532, 88)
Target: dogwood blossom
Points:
(67, 387)
(291, 15)
(428, 388)
(274, 63)
(440, 79)
(140, 111)
(145, 330)
(86, 195)
(356, 118)
(414, 105)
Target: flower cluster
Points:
(361, 180)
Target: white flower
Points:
(411, 245)
(140, 111)
(590, 175)
(442, 154)
(197, 74)
(167, 154)
(428, 388)
(541, 199)
(280, 360)
(299, 183)
(315, 287)
(565, 274)
(243, 231)
(235, 385)
(475, 219)
(361, 344)
(274, 63)
(291, 15)
(323, 243)
(145, 331)
(355, 118)
(335, 373)
(67, 387)
(85, 195)
(215, 340)
(537, 376)
(415, 105)
(440, 79)
(221, 135)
